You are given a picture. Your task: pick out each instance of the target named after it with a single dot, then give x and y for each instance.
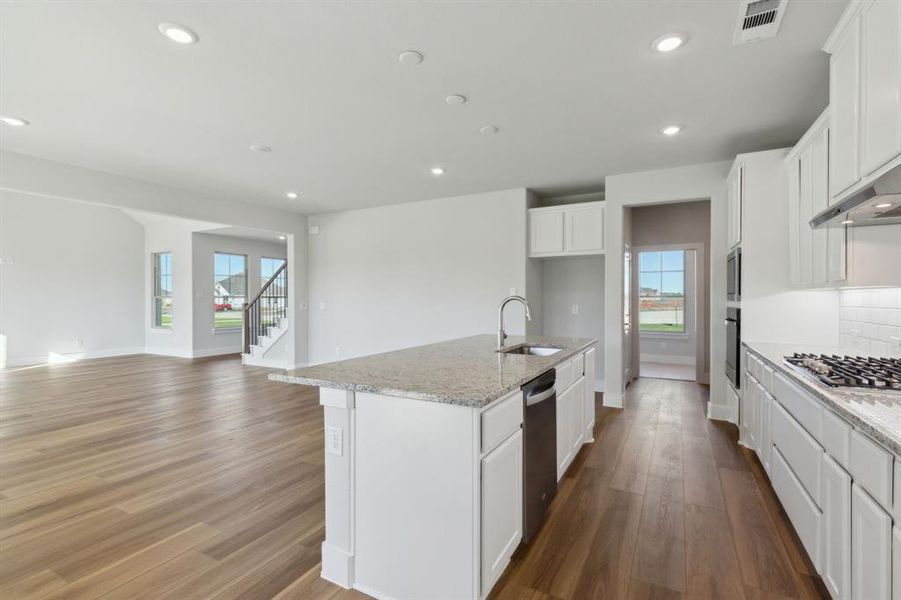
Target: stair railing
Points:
(266, 308)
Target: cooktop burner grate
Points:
(849, 371)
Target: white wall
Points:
(76, 273)
(49, 179)
(170, 235)
(771, 311)
(403, 275)
(206, 341)
(679, 224)
(694, 182)
(575, 280)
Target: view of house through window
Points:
(162, 289)
(229, 289)
(661, 291)
(268, 267)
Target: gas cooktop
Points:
(849, 371)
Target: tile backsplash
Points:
(870, 321)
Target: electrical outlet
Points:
(335, 441)
(338, 351)
(79, 342)
(575, 309)
(314, 230)
(513, 291)
(7, 260)
(322, 306)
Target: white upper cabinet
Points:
(844, 94)
(584, 229)
(568, 230)
(817, 257)
(735, 189)
(864, 94)
(545, 232)
(880, 100)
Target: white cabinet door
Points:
(794, 218)
(564, 422)
(880, 75)
(501, 520)
(584, 229)
(577, 416)
(896, 562)
(835, 551)
(819, 201)
(749, 399)
(871, 548)
(844, 94)
(589, 394)
(735, 186)
(765, 450)
(545, 232)
(837, 253)
(805, 203)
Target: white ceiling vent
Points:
(758, 20)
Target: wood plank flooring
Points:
(153, 477)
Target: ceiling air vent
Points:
(758, 20)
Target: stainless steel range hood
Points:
(877, 204)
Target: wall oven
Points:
(733, 275)
(733, 346)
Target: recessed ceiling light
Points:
(281, 237)
(437, 171)
(292, 195)
(488, 129)
(14, 121)
(455, 99)
(847, 222)
(410, 58)
(178, 33)
(668, 42)
(884, 205)
(671, 130)
(260, 148)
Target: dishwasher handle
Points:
(541, 396)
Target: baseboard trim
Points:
(57, 358)
(600, 385)
(721, 412)
(203, 353)
(337, 566)
(174, 352)
(262, 361)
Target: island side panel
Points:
(415, 475)
(338, 547)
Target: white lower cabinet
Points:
(589, 395)
(501, 507)
(564, 422)
(835, 552)
(896, 561)
(871, 548)
(800, 508)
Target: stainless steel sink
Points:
(533, 350)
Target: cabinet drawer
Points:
(578, 364)
(807, 411)
(800, 451)
(871, 468)
(837, 438)
(502, 419)
(767, 378)
(800, 508)
(564, 376)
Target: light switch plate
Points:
(575, 309)
(335, 441)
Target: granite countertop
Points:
(876, 413)
(467, 371)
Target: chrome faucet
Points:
(501, 336)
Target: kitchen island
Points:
(424, 459)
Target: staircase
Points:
(266, 323)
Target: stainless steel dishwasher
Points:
(539, 451)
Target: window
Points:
(268, 267)
(661, 291)
(229, 289)
(162, 290)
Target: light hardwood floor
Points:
(152, 477)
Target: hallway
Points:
(664, 504)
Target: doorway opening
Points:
(666, 282)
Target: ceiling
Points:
(574, 88)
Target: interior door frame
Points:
(700, 303)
